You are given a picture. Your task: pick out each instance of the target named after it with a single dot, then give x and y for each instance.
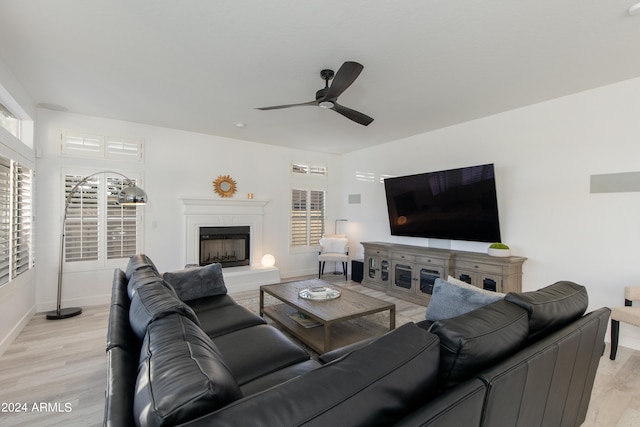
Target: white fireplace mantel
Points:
(195, 206)
(200, 212)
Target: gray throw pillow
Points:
(454, 299)
(197, 282)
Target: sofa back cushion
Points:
(197, 282)
(181, 375)
(139, 261)
(478, 339)
(142, 276)
(154, 301)
(551, 307)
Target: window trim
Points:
(308, 247)
(95, 146)
(102, 261)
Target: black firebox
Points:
(228, 246)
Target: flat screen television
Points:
(455, 204)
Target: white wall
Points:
(177, 164)
(544, 155)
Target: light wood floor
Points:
(55, 372)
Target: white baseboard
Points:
(15, 331)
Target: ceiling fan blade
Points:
(354, 115)
(346, 75)
(276, 107)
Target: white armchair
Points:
(627, 314)
(333, 248)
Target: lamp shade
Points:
(268, 260)
(132, 195)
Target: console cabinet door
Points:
(376, 270)
(427, 275)
(413, 280)
(403, 279)
(489, 282)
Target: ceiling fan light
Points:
(326, 104)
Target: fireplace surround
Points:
(214, 213)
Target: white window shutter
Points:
(81, 230)
(124, 149)
(5, 220)
(307, 216)
(122, 223)
(76, 144)
(22, 224)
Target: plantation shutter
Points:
(121, 223)
(5, 220)
(298, 217)
(81, 231)
(82, 145)
(307, 217)
(85, 145)
(316, 217)
(124, 149)
(22, 226)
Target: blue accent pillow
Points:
(454, 298)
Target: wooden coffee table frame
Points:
(333, 315)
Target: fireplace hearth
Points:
(229, 246)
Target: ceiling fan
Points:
(327, 97)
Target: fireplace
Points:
(229, 246)
(224, 213)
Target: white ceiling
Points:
(203, 65)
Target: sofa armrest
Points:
(373, 386)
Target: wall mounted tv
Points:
(455, 204)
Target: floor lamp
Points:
(129, 196)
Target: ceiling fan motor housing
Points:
(326, 74)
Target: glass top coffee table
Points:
(325, 324)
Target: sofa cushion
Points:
(256, 351)
(139, 261)
(375, 385)
(197, 282)
(452, 298)
(210, 303)
(551, 307)
(181, 374)
(478, 339)
(154, 301)
(227, 318)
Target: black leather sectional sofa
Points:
(182, 352)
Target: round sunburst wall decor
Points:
(224, 186)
